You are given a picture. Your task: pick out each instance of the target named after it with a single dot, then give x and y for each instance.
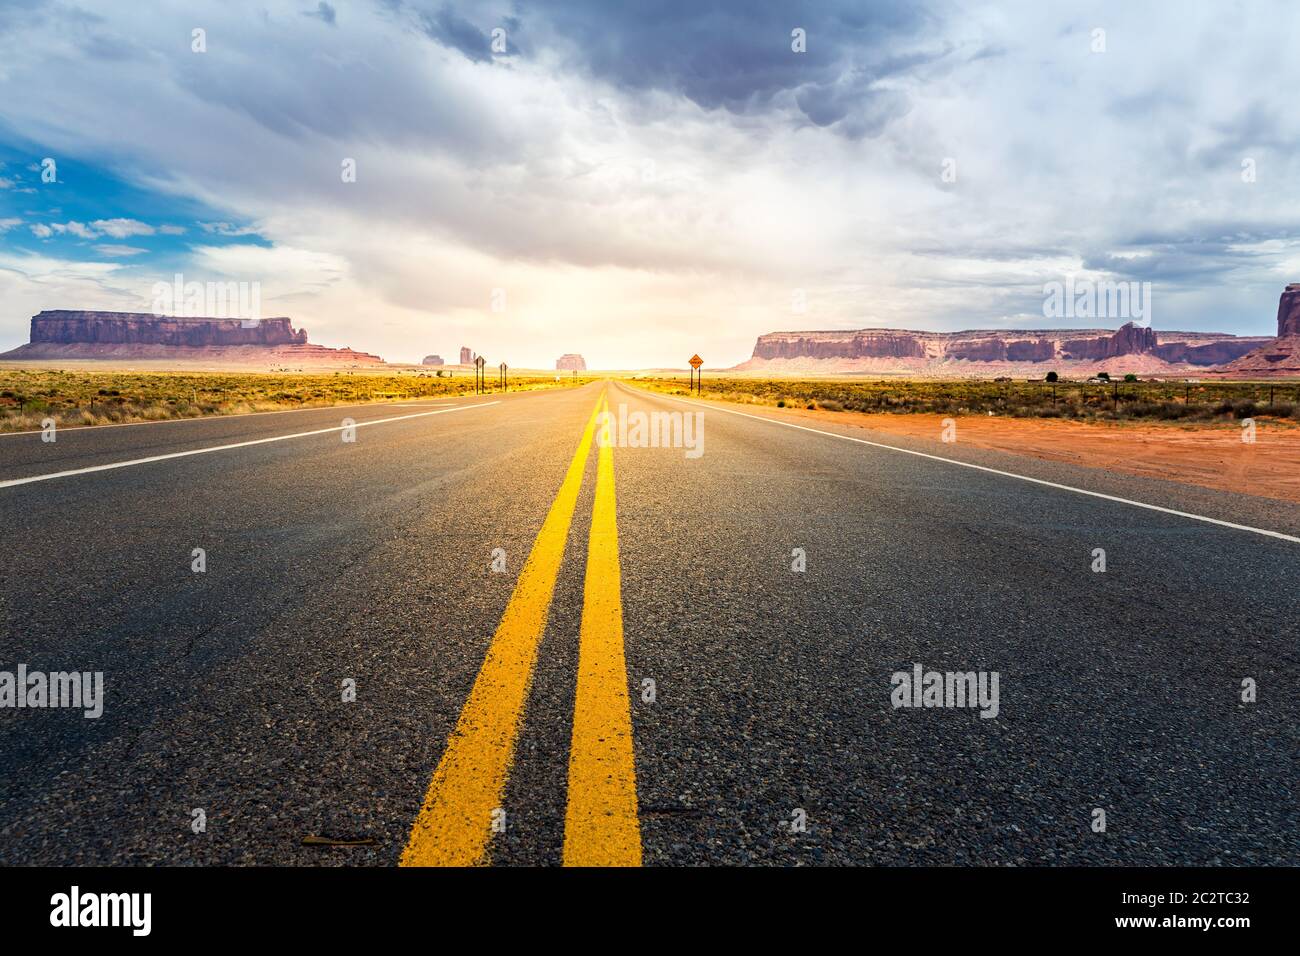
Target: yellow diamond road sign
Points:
(696, 361)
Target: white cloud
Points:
(114, 228)
(9, 223)
(122, 228)
(30, 283)
(227, 229)
(78, 229)
(118, 251)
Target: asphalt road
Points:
(770, 735)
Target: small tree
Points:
(1104, 376)
(1130, 377)
(1052, 376)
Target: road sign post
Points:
(480, 377)
(504, 382)
(697, 376)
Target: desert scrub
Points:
(28, 396)
(1170, 401)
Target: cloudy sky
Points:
(640, 181)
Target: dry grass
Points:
(29, 396)
(1121, 401)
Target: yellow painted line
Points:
(601, 827)
(454, 825)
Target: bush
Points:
(1237, 408)
(1171, 411)
(1140, 409)
(1278, 410)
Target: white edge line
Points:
(243, 444)
(218, 418)
(994, 471)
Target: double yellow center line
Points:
(601, 826)
(455, 823)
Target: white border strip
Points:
(221, 418)
(994, 471)
(243, 444)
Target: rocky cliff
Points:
(65, 334)
(139, 328)
(1278, 357)
(571, 362)
(1288, 311)
(975, 352)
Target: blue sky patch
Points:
(76, 209)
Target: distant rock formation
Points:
(67, 334)
(432, 360)
(466, 355)
(138, 328)
(1279, 356)
(984, 351)
(571, 362)
(1288, 311)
